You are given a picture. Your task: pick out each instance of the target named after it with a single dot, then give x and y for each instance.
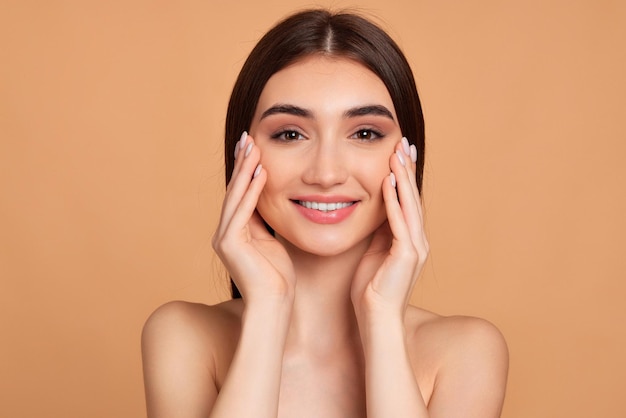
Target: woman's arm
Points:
(381, 289)
(180, 375)
(264, 274)
(252, 385)
(390, 384)
(180, 343)
(472, 366)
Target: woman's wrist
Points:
(379, 316)
(380, 327)
(267, 308)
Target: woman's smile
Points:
(325, 209)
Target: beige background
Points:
(111, 116)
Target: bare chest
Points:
(336, 390)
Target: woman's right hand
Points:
(258, 264)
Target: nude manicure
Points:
(413, 153)
(257, 171)
(242, 139)
(400, 157)
(240, 144)
(405, 145)
(248, 150)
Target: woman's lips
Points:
(325, 210)
(323, 206)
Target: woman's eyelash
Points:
(287, 135)
(368, 134)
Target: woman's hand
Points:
(256, 261)
(387, 273)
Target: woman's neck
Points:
(323, 315)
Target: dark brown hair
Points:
(333, 34)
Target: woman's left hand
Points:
(387, 273)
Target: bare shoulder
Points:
(202, 332)
(192, 318)
(456, 331)
(464, 359)
(184, 348)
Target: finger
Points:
(249, 158)
(247, 204)
(238, 154)
(395, 215)
(413, 158)
(402, 275)
(406, 187)
(240, 183)
(409, 201)
(410, 240)
(409, 152)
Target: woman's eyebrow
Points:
(377, 110)
(287, 109)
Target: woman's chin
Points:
(324, 246)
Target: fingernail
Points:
(248, 150)
(392, 178)
(242, 139)
(241, 143)
(405, 145)
(400, 157)
(257, 171)
(413, 153)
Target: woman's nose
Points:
(326, 165)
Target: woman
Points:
(321, 231)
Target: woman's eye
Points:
(367, 135)
(288, 135)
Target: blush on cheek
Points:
(261, 204)
(267, 209)
(261, 208)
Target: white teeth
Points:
(324, 207)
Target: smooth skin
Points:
(325, 328)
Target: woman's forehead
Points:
(324, 82)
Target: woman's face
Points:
(326, 128)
